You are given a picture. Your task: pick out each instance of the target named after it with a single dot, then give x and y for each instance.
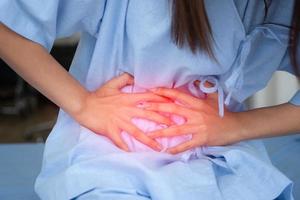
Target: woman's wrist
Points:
(75, 105)
(42, 71)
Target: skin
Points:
(208, 129)
(97, 110)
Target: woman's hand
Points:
(202, 120)
(107, 111)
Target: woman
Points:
(134, 37)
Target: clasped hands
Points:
(108, 111)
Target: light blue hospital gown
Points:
(134, 36)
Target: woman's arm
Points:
(271, 121)
(32, 62)
(95, 110)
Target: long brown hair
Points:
(190, 26)
(294, 37)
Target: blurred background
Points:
(25, 115)
(26, 118)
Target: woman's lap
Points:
(98, 169)
(233, 172)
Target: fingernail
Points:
(159, 147)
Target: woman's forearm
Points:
(33, 63)
(272, 121)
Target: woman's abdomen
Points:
(148, 126)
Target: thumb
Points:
(114, 85)
(120, 81)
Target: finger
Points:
(182, 147)
(176, 95)
(121, 81)
(153, 116)
(117, 139)
(140, 136)
(172, 131)
(167, 107)
(143, 97)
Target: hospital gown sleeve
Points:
(260, 53)
(42, 21)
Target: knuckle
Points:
(135, 133)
